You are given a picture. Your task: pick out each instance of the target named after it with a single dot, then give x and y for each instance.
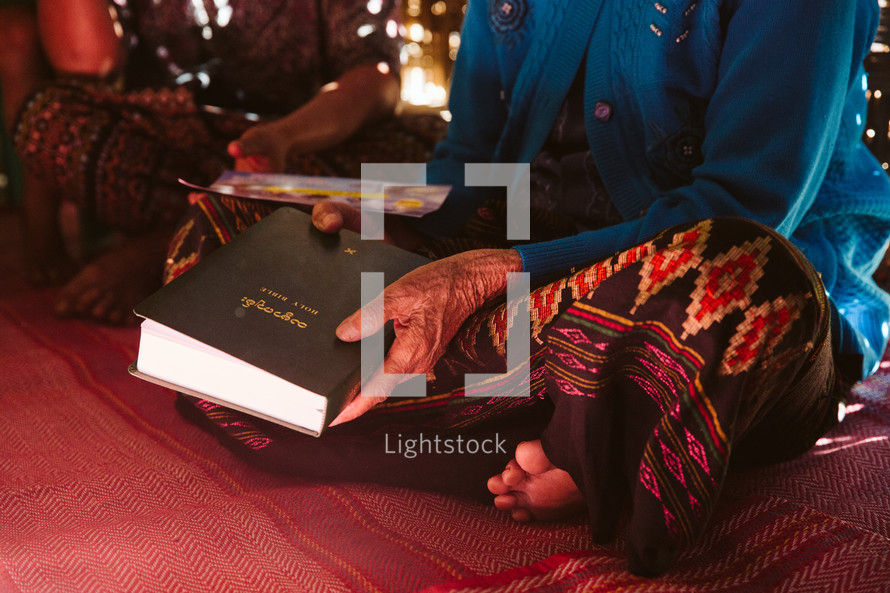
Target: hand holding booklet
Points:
(252, 325)
(379, 196)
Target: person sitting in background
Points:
(157, 91)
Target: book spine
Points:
(345, 392)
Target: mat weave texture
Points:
(104, 487)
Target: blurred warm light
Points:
(415, 32)
(365, 30)
(223, 13)
(417, 89)
(200, 12)
(383, 67)
(414, 50)
(431, 42)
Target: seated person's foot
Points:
(533, 488)
(107, 289)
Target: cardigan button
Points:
(602, 111)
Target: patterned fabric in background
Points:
(118, 153)
(650, 372)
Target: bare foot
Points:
(531, 487)
(107, 289)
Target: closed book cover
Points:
(266, 306)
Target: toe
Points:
(69, 302)
(496, 485)
(108, 308)
(513, 475)
(87, 300)
(531, 458)
(506, 502)
(103, 307)
(116, 316)
(62, 308)
(65, 301)
(114, 312)
(79, 296)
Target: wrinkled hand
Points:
(261, 149)
(428, 306)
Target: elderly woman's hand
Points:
(428, 307)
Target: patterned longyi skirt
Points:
(650, 373)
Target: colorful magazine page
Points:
(406, 200)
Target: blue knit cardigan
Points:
(693, 109)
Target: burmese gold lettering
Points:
(262, 306)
